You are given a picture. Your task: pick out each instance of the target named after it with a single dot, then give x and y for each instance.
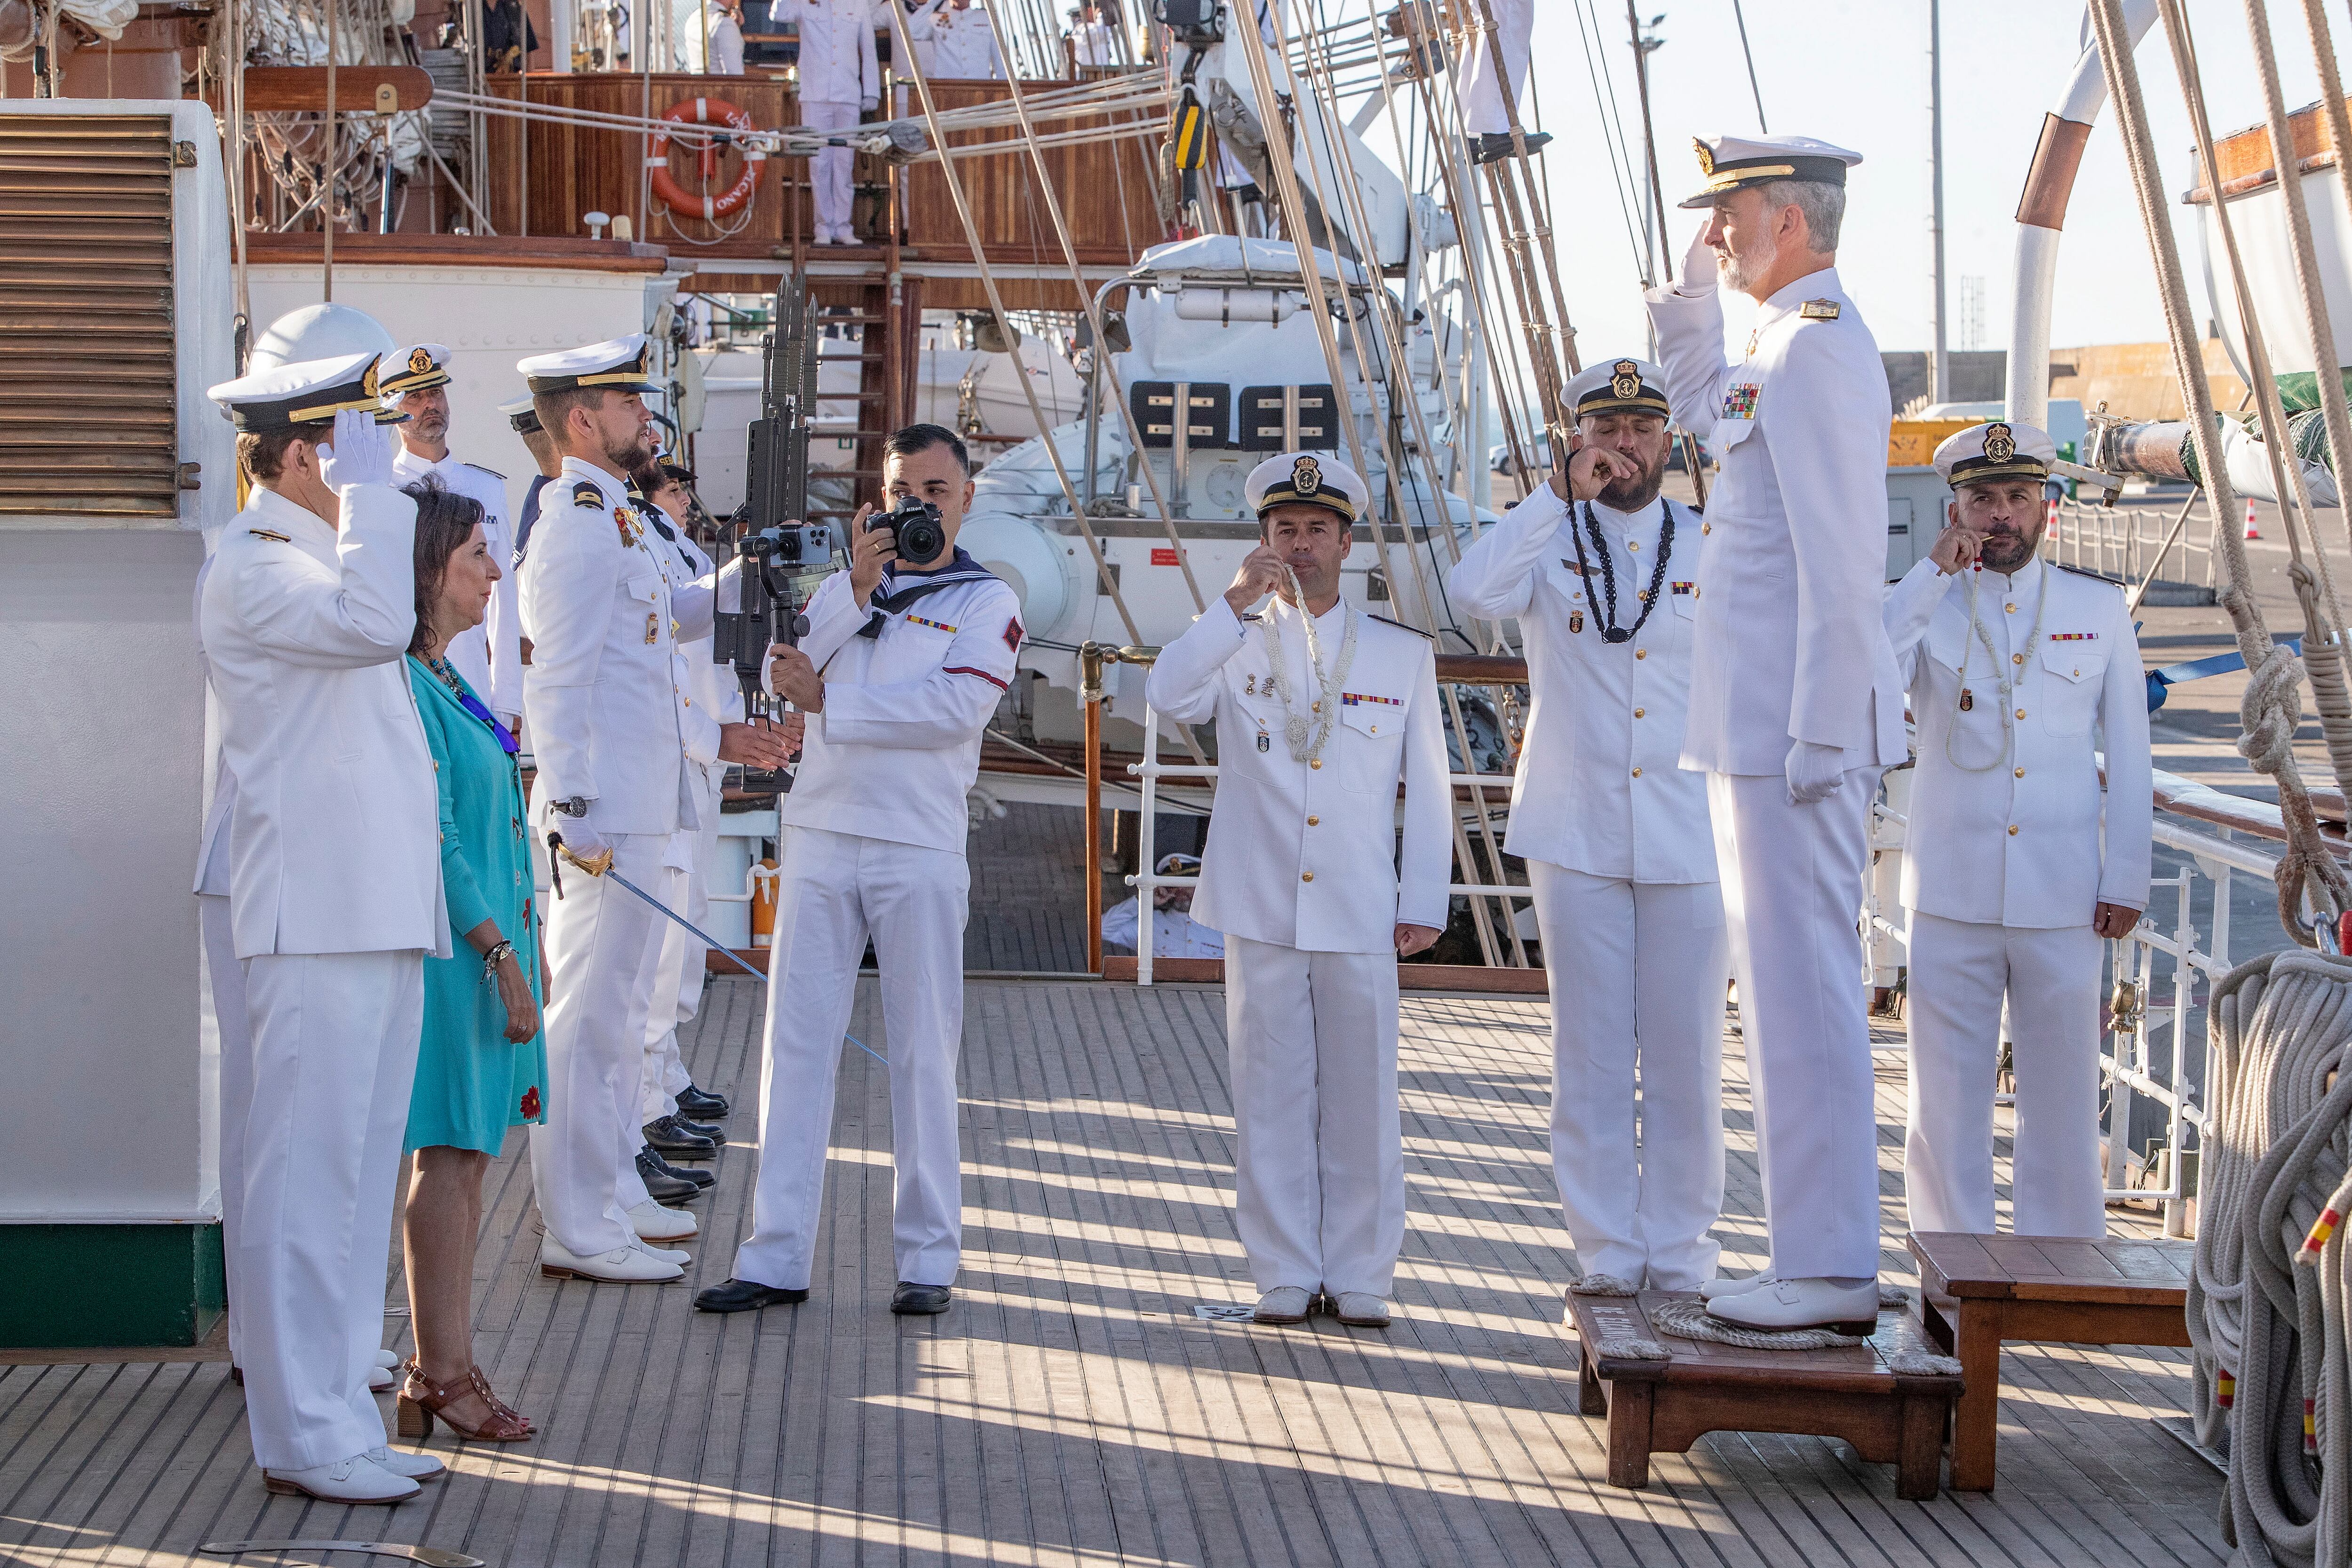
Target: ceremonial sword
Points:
(555, 848)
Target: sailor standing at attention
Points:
(2024, 678)
(488, 656)
(839, 80)
(1795, 705)
(603, 609)
(1321, 710)
(334, 887)
(1602, 574)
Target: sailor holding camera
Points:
(898, 673)
(1321, 710)
(605, 607)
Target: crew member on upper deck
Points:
(1602, 574)
(2024, 678)
(839, 79)
(1795, 704)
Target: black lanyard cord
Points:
(1610, 630)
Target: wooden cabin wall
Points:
(1105, 188)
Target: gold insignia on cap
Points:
(1306, 476)
(367, 382)
(1819, 310)
(1705, 158)
(2000, 445)
(1626, 379)
(419, 362)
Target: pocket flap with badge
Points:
(1367, 713)
(2074, 655)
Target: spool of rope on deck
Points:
(707, 145)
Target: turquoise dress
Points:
(472, 1082)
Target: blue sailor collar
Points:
(897, 593)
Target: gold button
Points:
(2012, 830)
(2021, 712)
(2010, 608)
(1632, 544)
(1318, 762)
(1315, 708)
(2020, 773)
(1641, 653)
(1638, 712)
(1637, 772)
(1309, 876)
(1706, 528)
(1374, 730)
(1314, 822)
(2017, 658)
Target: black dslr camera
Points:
(914, 524)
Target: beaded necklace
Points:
(1610, 630)
(1307, 741)
(2005, 684)
(449, 678)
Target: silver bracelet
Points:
(490, 959)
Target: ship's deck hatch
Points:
(87, 424)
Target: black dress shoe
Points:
(1495, 146)
(672, 1142)
(694, 1174)
(744, 1296)
(660, 1186)
(716, 1134)
(701, 1104)
(918, 1300)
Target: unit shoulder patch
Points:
(271, 534)
(1430, 637)
(585, 493)
(1819, 310)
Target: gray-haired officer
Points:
(604, 608)
(1795, 702)
(2024, 678)
(1321, 710)
(1602, 574)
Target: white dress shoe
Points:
(1362, 1310)
(655, 1222)
(667, 1253)
(622, 1266)
(357, 1480)
(1716, 1289)
(382, 1379)
(415, 1467)
(1802, 1304)
(1284, 1304)
(388, 1360)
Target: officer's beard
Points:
(2006, 550)
(630, 454)
(1742, 269)
(1635, 491)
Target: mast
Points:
(1654, 215)
(1940, 362)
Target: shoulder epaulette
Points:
(271, 534)
(2095, 576)
(585, 493)
(1819, 310)
(1400, 626)
(479, 469)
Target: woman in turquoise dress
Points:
(482, 1066)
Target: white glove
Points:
(582, 845)
(1814, 771)
(1698, 279)
(360, 453)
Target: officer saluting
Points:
(1795, 704)
(1320, 709)
(1605, 588)
(334, 891)
(603, 609)
(2018, 671)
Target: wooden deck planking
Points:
(1071, 1409)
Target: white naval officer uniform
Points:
(2013, 844)
(603, 608)
(1622, 861)
(1790, 647)
(872, 844)
(1304, 873)
(954, 45)
(335, 896)
(839, 79)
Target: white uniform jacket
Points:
(490, 656)
(952, 43)
(1598, 788)
(701, 697)
(334, 834)
(1791, 646)
(212, 843)
(2012, 837)
(897, 746)
(837, 62)
(604, 603)
(1306, 856)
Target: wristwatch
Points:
(576, 806)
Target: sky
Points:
(1855, 73)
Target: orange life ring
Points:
(706, 111)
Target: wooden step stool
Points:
(1665, 1406)
(1977, 1290)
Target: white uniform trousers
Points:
(1791, 902)
(678, 981)
(333, 1060)
(1319, 1160)
(831, 171)
(1960, 971)
(1637, 971)
(225, 973)
(668, 885)
(603, 944)
(833, 891)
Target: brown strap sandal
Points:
(482, 1387)
(422, 1402)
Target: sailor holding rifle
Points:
(1321, 712)
(1795, 704)
(2018, 863)
(1602, 574)
(334, 887)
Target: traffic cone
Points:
(2251, 531)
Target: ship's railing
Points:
(2173, 545)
